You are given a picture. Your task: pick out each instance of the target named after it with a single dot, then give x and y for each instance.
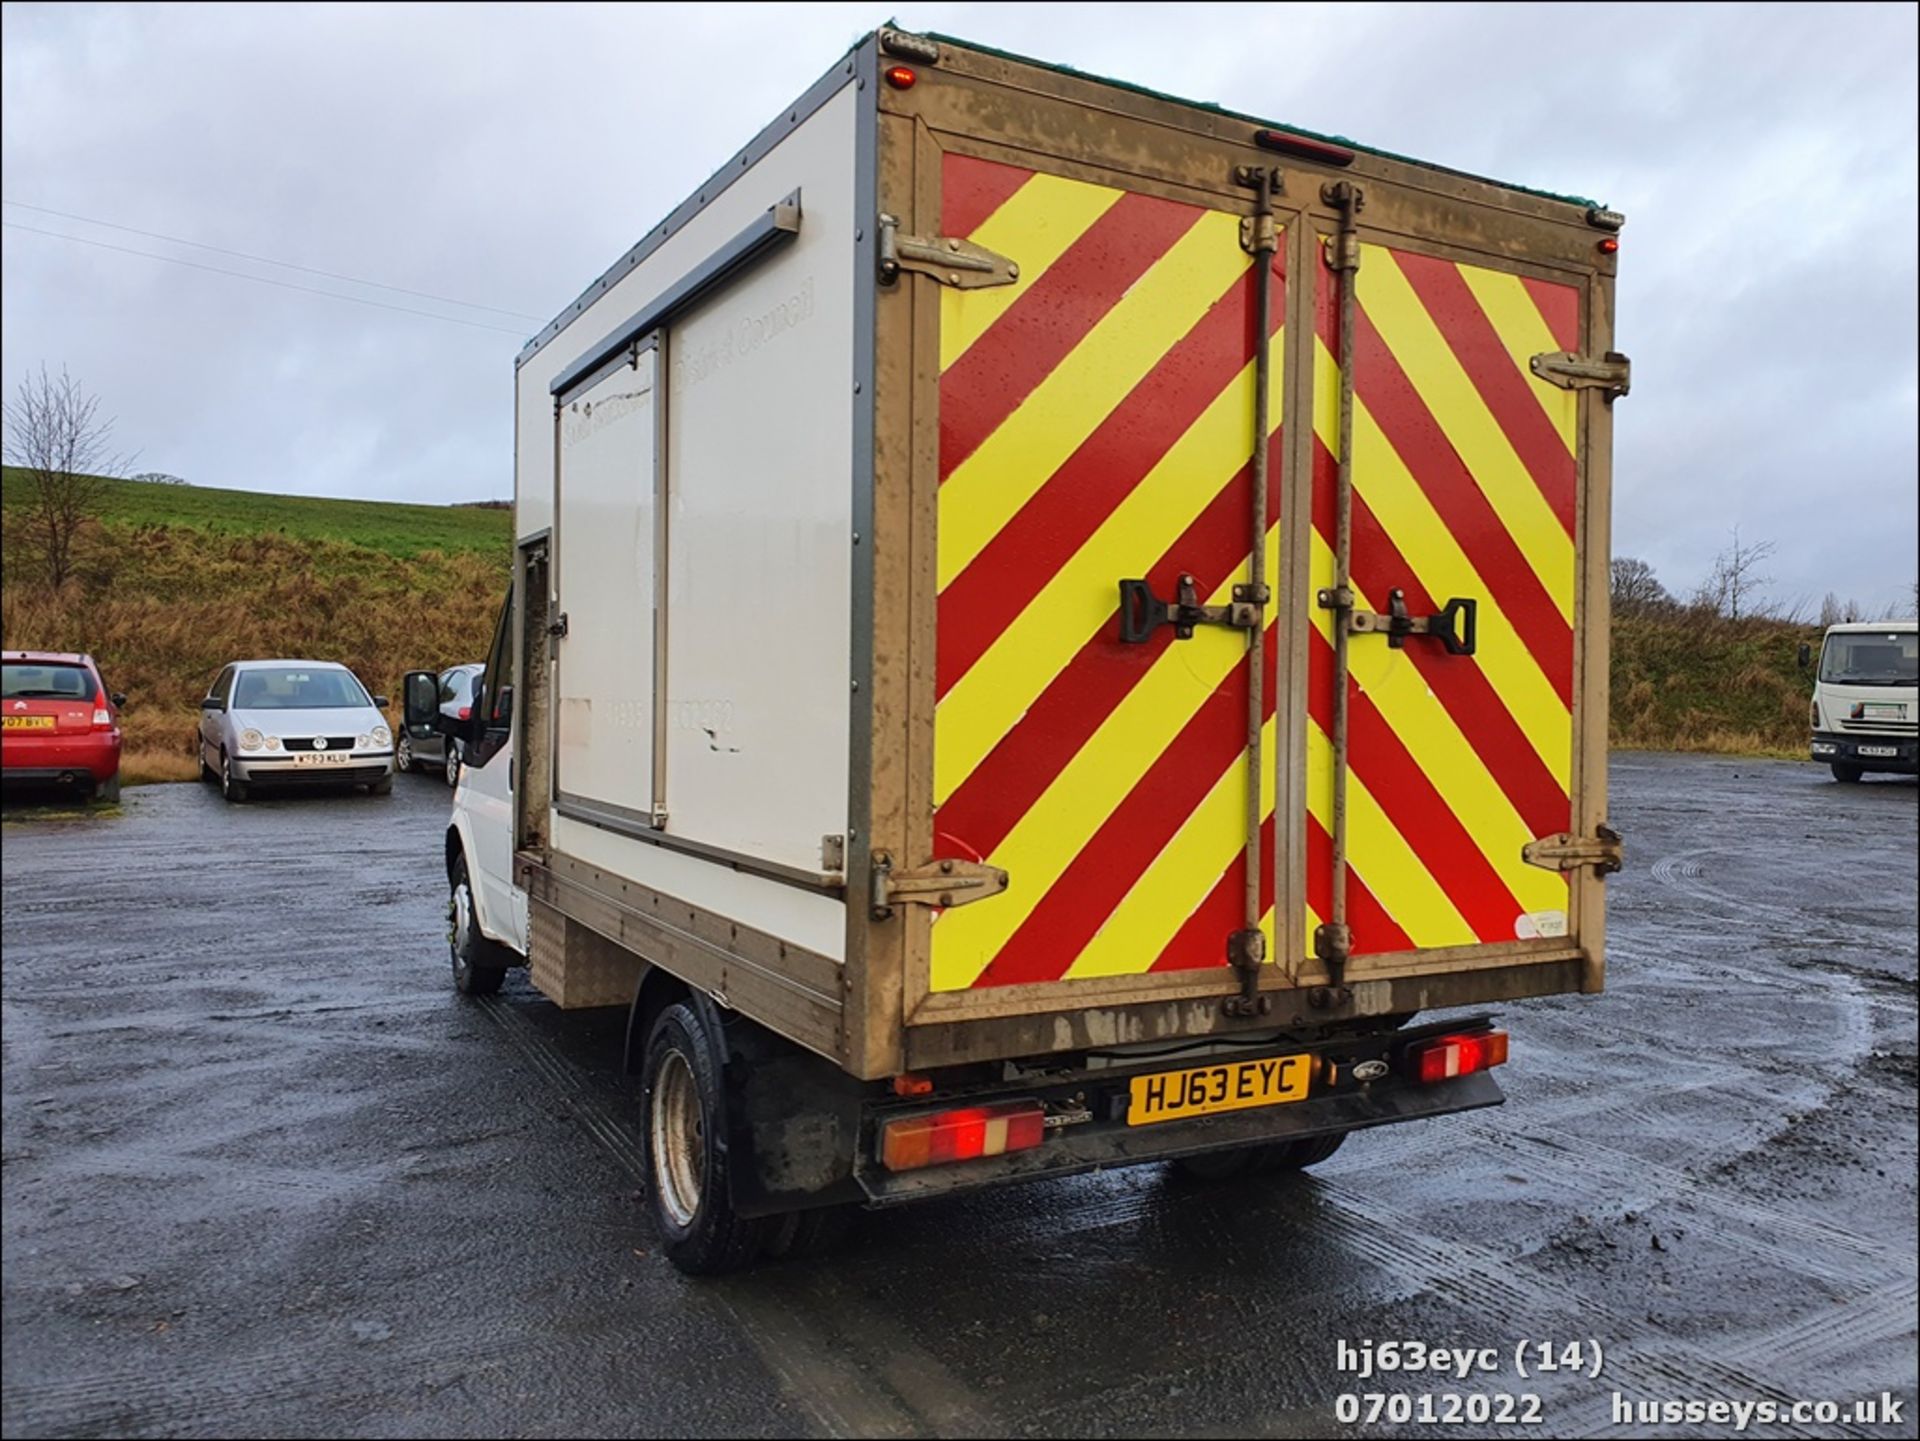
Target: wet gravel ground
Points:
(265, 1174)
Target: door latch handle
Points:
(1456, 625)
(1142, 612)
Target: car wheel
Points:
(403, 753)
(479, 964)
(800, 1234)
(1846, 774)
(1259, 1160)
(108, 790)
(453, 763)
(207, 772)
(233, 788)
(682, 1120)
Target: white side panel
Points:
(759, 477)
(764, 575)
(603, 740)
(805, 918)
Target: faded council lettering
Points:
(587, 417)
(694, 362)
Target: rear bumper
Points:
(1852, 749)
(1095, 1146)
(47, 760)
(363, 767)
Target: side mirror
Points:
(118, 698)
(381, 701)
(1806, 655)
(213, 702)
(419, 700)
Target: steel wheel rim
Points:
(460, 928)
(453, 768)
(404, 757)
(679, 1139)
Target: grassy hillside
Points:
(174, 582)
(379, 525)
(1691, 682)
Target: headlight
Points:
(273, 743)
(382, 736)
(251, 739)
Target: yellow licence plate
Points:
(28, 722)
(1228, 1086)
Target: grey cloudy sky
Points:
(1765, 157)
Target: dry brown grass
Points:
(162, 608)
(1686, 681)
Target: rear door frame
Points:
(1001, 108)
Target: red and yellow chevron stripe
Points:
(1096, 421)
(1464, 484)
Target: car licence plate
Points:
(29, 722)
(1883, 751)
(1228, 1086)
(323, 758)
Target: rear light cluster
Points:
(102, 717)
(1444, 1057)
(962, 1134)
(466, 712)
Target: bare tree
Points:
(56, 436)
(1635, 588)
(1735, 584)
(1834, 611)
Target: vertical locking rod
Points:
(1333, 943)
(1247, 949)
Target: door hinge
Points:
(947, 258)
(1603, 850)
(833, 854)
(944, 883)
(1612, 373)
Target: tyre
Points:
(403, 753)
(479, 963)
(1215, 1165)
(800, 1234)
(108, 790)
(231, 787)
(688, 1186)
(1298, 1155)
(1846, 774)
(1259, 1160)
(452, 768)
(207, 772)
(381, 787)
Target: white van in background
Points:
(1865, 705)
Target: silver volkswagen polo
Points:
(293, 722)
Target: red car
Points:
(59, 725)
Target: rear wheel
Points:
(1846, 774)
(108, 790)
(800, 1234)
(689, 1189)
(479, 963)
(453, 763)
(1260, 1160)
(403, 753)
(231, 786)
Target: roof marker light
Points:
(901, 77)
